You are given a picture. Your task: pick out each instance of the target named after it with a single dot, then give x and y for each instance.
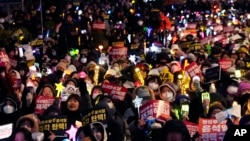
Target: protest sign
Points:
(165, 74)
(6, 130)
(99, 25)
(211, 130)
(94, 116)
(68, 91)
(192, 127)
(225, 64)
(42, 103)
(193, 69)
(115, 91)
(55, 124)
(118, 52)
(157, 109)
(213, 74)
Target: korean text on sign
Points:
(211, 130)
(154, 109)
(57, 125)
(94, 116)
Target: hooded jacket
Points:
(103, 129)
(31, 117)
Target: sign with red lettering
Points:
(42, 103)
(116, 92)
(118, 52)
(193, 69)
(211, 130)
(192, 127)
(99, 26)
(156, 109)
(225, 64)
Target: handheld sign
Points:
(42, 103)
(55, 124)
(205, 96)
(212, 74)
(116, 92)
(6, 131)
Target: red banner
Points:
(211, 130)
(192, 127)
(193, 69)
(42, 103)
(158, 109)
(116, 92)
(99, 26)
(225, 64)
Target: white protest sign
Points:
(5, 131)
(67, 91)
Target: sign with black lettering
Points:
(55, 124)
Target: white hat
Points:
(154, 72)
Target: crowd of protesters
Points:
(124, 70)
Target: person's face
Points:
(69, 19)
(19, 137)
(47, 92)
(73, 104)
(97, 134)
(96, 92)
(226, 57)
(26, 124)
(13, 74)
(174, 136)
(242, 55)
(165, 89)
(214, 112)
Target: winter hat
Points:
(171, 86)
(154, 72)
(175, 126)
(244, 87)
(32, 118)
(62, 64)
(243, 49)
(142, 92)
(74, 96)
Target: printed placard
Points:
(94, 116)
(225, 64)
(42, 103)
(157, 109)
(118, 52)
(165, 75)
(68, 91)
(193, 69)
(55, 124)
(192, 127)
(99, 26)
(116, 92)
(211, 130)
(213, 74)
(6, 130)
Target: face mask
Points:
(47, 11)
(83, 60)
(8, 109)
(140, 22)
(1, 20)
(168, 96)
(68, 58)
(232, 89)
(53, 53)
(153, 86)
